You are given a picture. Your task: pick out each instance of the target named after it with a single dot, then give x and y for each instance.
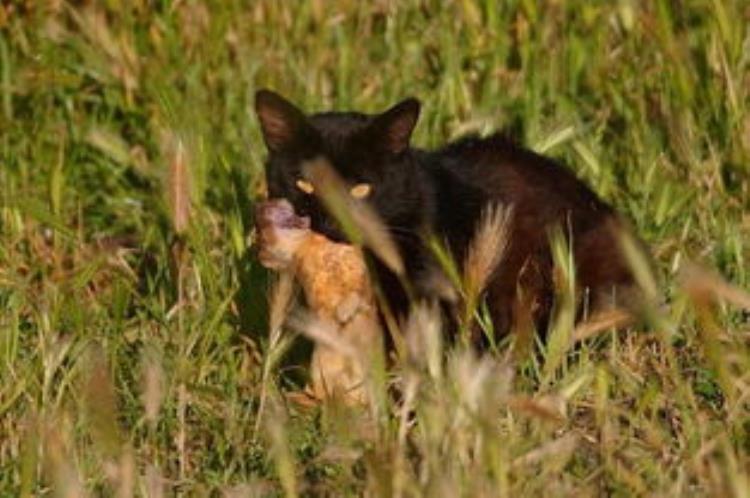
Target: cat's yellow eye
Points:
(361, 190)
(305, 186)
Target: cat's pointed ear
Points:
(395, 125)
(280, 121)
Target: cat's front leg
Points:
(432, 283)
(425, 279)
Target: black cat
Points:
(444, 192)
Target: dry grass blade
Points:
(101, 406)
(477, 379)
(639, 264)
(281, 301)
(323, 333)
(276, 433)
(122, 474)
(551, 408)
(358, 221)
(700, 281)
(179, 188)
(563, 447)
(560, 335)
(154, 482)
(424, 339)
(153, 388)
(115, 51)
(486, 251)
(600, 322)
(704, 287)
(59, 464)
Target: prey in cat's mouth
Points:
(444, 193)
(337, 290)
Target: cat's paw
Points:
(280, 233)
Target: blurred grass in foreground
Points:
(134, 349)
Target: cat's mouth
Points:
(330, 229)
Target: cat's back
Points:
(498, 168)
(474, 172)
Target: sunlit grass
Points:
(138, 353)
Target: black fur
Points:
(444, 192)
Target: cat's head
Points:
(371, 153)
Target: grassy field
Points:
(136, 343)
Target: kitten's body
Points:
(444, 192)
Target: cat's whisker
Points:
(402, 231)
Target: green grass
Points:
(132, 351)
